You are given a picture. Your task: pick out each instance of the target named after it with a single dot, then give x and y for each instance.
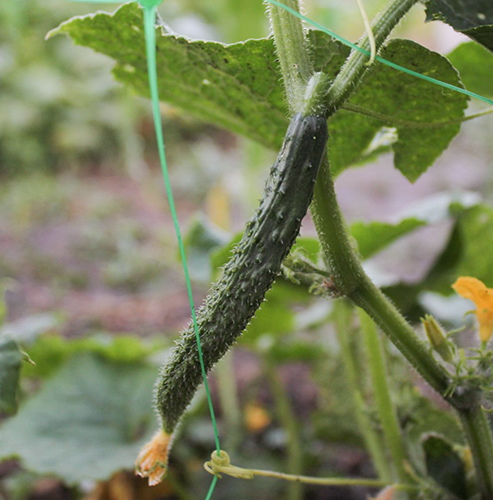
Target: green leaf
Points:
(236, 86)
(444, 465)
(86, 423)
(374, 236)
(475, 65)
(239, 87)
(49, 352)
(474, 18)
(201, 240)
(406, 101)
(308, 247)
(274, 316)
(10, 367)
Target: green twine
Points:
(150, 35)
(378, 58)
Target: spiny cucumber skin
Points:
(250, 273)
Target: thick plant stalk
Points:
(292, 51)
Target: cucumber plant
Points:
(302, 177)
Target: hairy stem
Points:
(291, 426)
(356, 64)
(381, 393)
(373, 442)
(292, 52)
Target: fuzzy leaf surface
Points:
(239, 87)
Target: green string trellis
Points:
(150, 11)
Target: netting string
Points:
(150, 34)
(378, 58)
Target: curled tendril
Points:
(221, 464)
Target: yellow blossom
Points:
(256, 418)
(153, 458)
(476, 290)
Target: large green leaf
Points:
(87, 422)
(10, 368)
(474, 18)
(239, 87)
(407, 102)
(475, 65)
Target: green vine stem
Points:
(289, 422)
(478, 434)
(229, 401)
(292, 52)
(381, 393)
(356, 64)
(373, 442)
(348, 277)
(222, 465)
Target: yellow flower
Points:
(475, 290)
(152, 461)
(256, 418)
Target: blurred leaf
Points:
(445, 466)
(374, 236)
(474, 18)
(308, 247)
(50, 351)
(474, 64)
(202, 238)
(467, 253)
(274, 316)
(286, 350)
(403, 99)
(27, 330)
(221, 256)
(86, 423)
(10, 367)
(239, 87)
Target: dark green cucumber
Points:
(254, 266)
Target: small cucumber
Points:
(254, 266)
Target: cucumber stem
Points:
(292, 52)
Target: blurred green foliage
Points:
(60, 107)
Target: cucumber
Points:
(254, 265)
